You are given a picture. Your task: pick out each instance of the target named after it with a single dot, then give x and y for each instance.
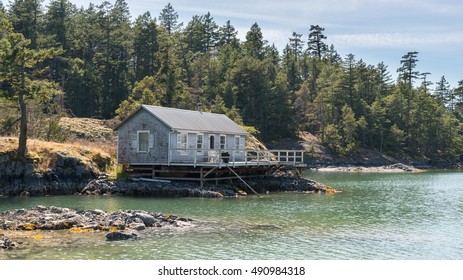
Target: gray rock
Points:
(99, 212)
(40, 208)
(118, 235)
(147, 219)
(137, 226)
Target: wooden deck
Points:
(219, 165)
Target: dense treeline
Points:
(108, 65)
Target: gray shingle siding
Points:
(127, 134)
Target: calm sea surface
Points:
(376, 216)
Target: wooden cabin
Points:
(163, 140)
(168, 136)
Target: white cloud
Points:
(397, 40)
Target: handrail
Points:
(228, 157)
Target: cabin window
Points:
(222, 142)
(182, 141)
(199, 141)
(237, 142)
(143, 141)
(242, 143)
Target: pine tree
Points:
(58, 21)
(407, 74)
(443, 92)
(145, 46)
(255, 43)
(2, 10)
(426, 83)
(227, 34)
(26, 16)
(296, 45)
(315, 43)
(114, 58)
(169, 19)
(22, 75)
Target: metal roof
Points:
(178, 119)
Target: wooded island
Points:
(60, 60)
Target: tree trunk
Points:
(22, 147)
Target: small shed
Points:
(155, 135)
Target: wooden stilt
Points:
(201, 176)
(236, 174)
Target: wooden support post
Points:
(201, 176)
(243, 181)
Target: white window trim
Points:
(199, 145)
(237, 142)
(180, 143)
(138, 141)
(182, 146)
(224, 145)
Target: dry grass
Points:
(91, 130)
(44, 153)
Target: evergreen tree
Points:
(202, 34)
(171, 73)
(145, 46)
(83, 85)
(290, 65)
(326, 105)
(443, 92)
(146, 91)
(22, 76)
(407, 74)
(349, 79)
(227, 58)
(2, 10)
(383, 80)
(169, 19)
(296, 45)
(426, 83)
(114, 58)
(458, 92)
(227, 33)
(26, 16)
(315, 43)
(58, 21)
(251, 90)
(255, 43)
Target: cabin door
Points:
(213, 156)
(211, 142)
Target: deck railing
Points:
(230, 157)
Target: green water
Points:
(376, 216)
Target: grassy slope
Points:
(90, 140)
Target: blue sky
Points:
(372, 30)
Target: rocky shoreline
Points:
(118, 225)
(104, 186)
(192, 189)
(70, 176)
(393, 168)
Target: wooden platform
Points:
(222, 166)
